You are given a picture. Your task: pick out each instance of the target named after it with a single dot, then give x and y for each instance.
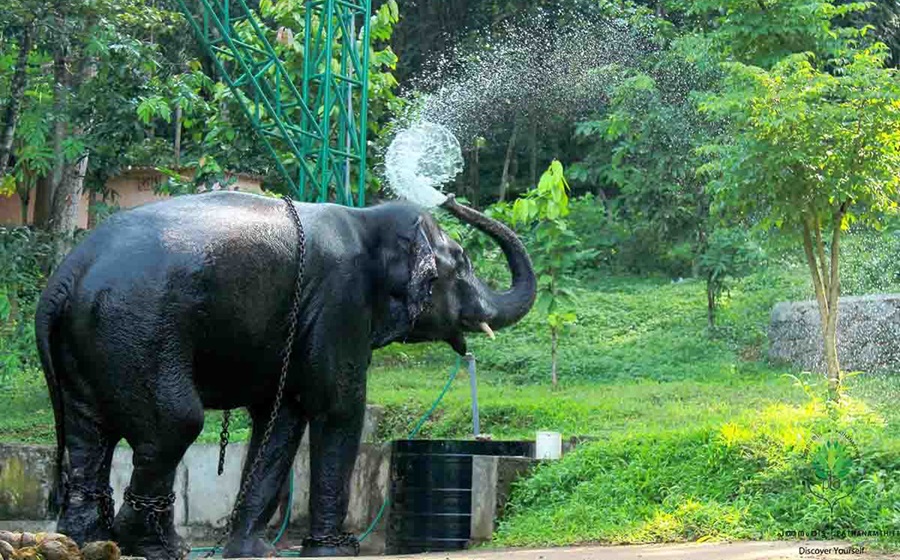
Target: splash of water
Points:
(533, 71)
(529, 69)
(420, 160)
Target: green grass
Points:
(640, 358)
(513, 411)
(745, 479)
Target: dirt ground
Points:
(711, 551)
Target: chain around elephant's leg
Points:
(159, 436)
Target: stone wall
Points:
(868, 334)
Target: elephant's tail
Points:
(50, 308)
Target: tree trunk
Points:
(25, 199)
(16, 93)
(65, 208)
(533, 164)
(92, 214)
(835, 379)
(43, 198)
(831, 356)
(178, 117)
(710, 303)
(60, 128)
(826, 281)
(510, 149)
(554, 346)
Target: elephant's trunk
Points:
(502, 308)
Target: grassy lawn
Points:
(515, 411)
(640, 360)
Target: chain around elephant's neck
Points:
(285, 368)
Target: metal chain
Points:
(156, 507)
(285, 368)
(107, 507)
(223, 439)
(155, 519)
(158, 504)
(103, 497)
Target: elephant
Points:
(183, 305)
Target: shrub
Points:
(23, 257)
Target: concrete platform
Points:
(708, 551)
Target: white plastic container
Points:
(548, 446)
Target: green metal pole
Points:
(228, 80)
(364, 103)
(327, 77)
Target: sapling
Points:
(555, 250)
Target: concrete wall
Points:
(868, 334)
(203, 499)
(492, 480)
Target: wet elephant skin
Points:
(182, 305)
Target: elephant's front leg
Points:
(334, 445)
(261, 498)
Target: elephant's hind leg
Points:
(162, 424)
(87, 510)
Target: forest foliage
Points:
(745, 125)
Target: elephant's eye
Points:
(462, 270)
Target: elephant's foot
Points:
(330, 547)
(149, 531)
(251, 547)
(87, 515)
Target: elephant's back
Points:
(213, 257)
(173, 254)
(183, 224)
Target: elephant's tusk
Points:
(487, 330)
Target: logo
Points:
(836, 468)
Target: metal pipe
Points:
(473, 382)
(348, 192)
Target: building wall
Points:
(130, 189)
(11, 210)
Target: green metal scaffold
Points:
(323, 123)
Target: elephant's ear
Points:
(422, 272)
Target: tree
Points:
(729, 254)
(74, 122)
(641, 151)
(763, 32)
(555, 249)
(810, 152)
(16, 93)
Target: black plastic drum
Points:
(431, 492)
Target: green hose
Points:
(387, 501)
(284, 523)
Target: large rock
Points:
(868, 334)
